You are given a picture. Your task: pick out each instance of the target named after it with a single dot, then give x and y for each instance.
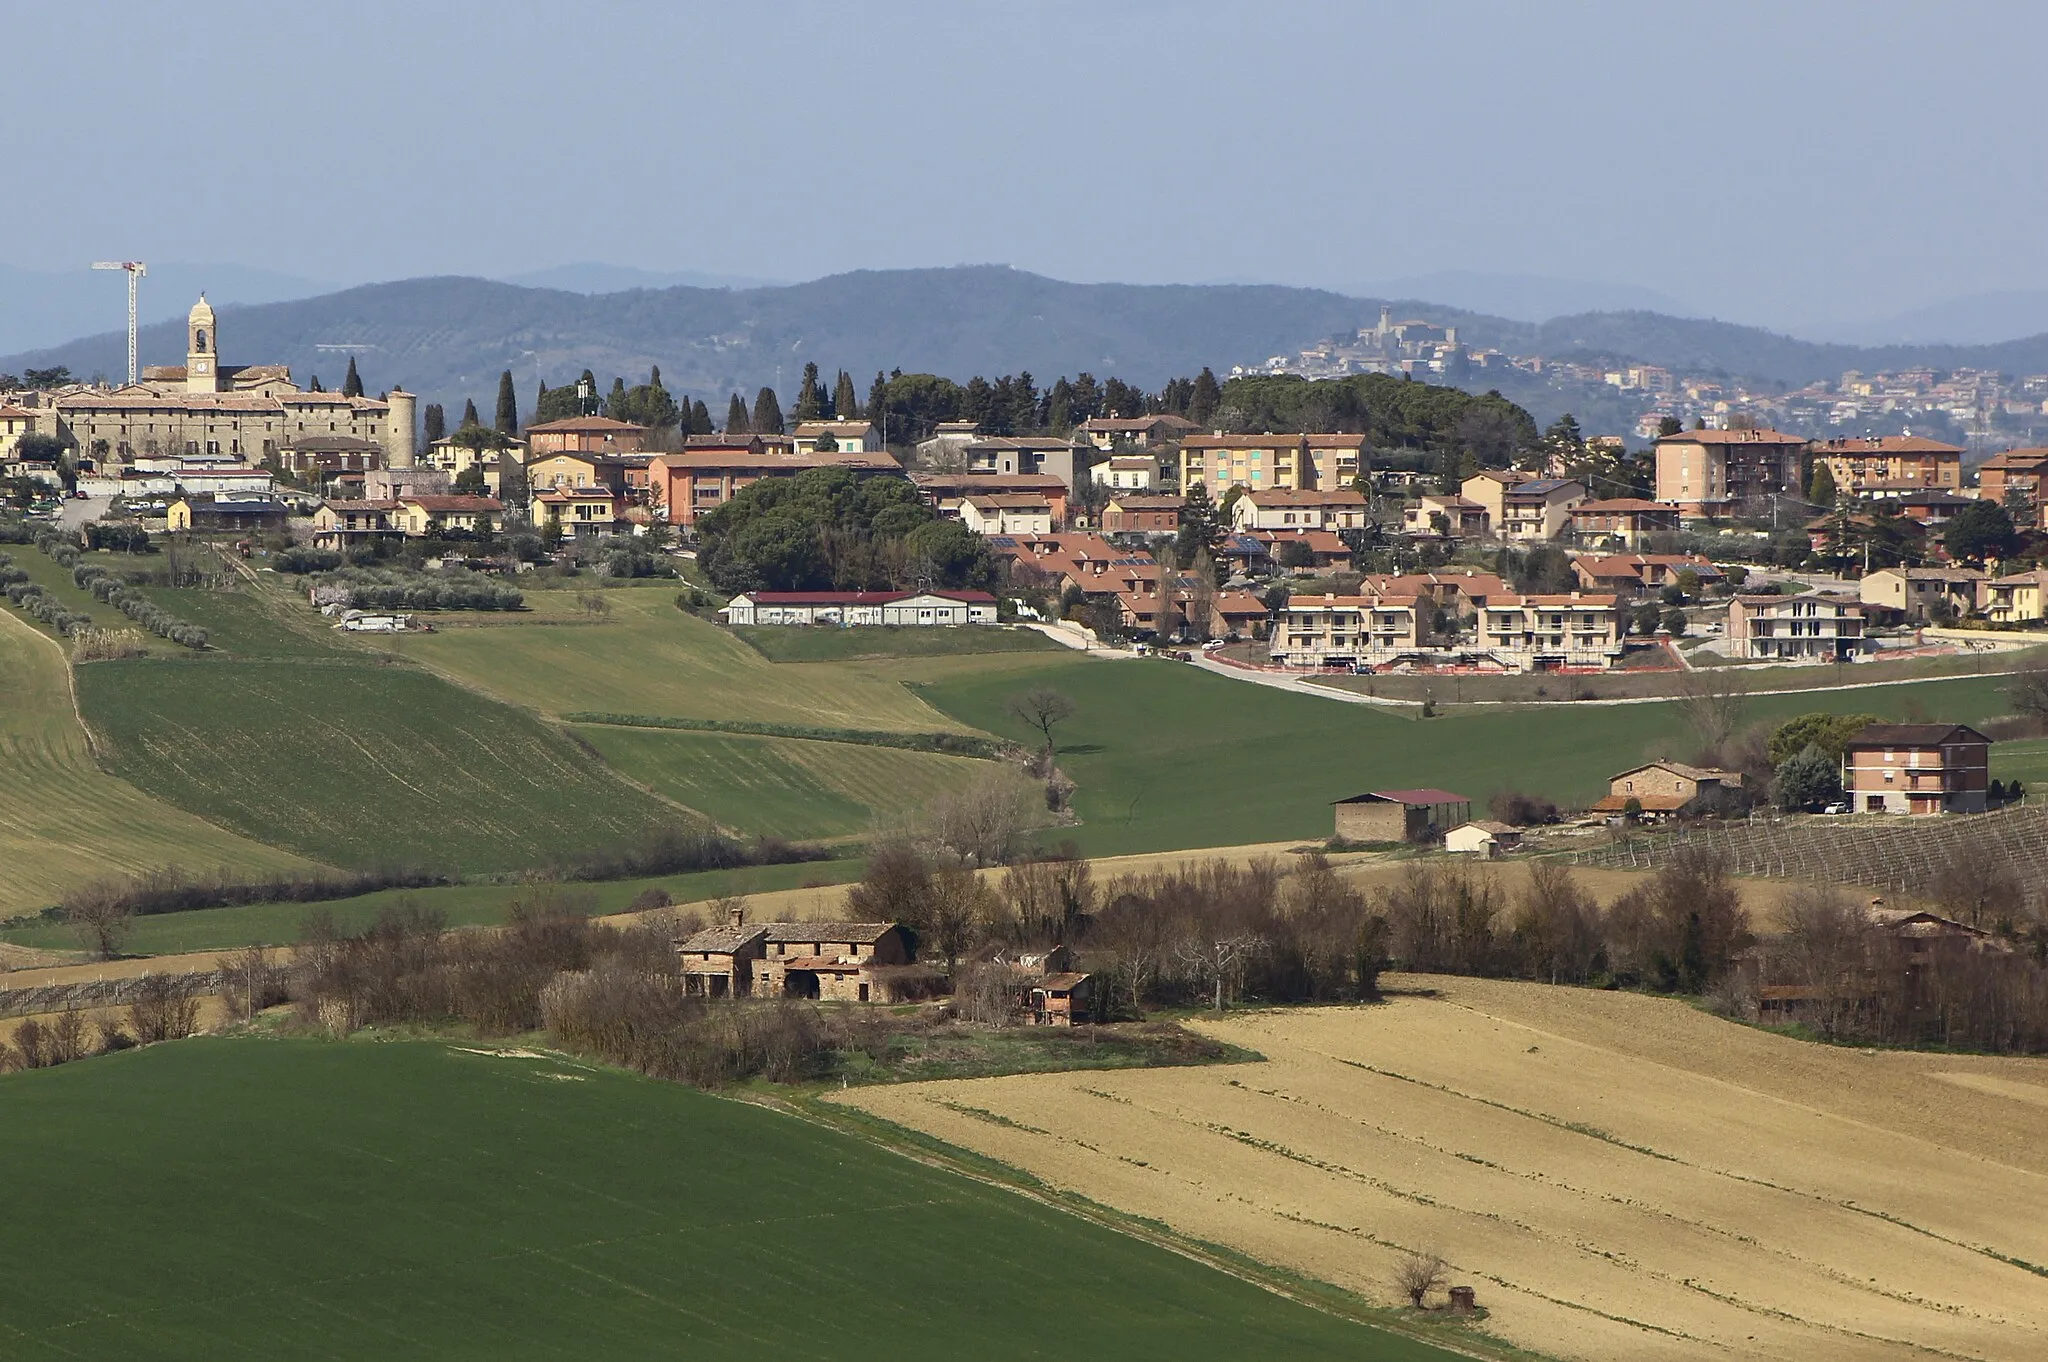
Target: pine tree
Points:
(810, 402)
(508, 406)
(1208, 396)
(767, 413)
(700, 419)
(736, 422)
(845, 401)
(437, 422)
(352, 385)
(469, 416)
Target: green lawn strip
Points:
(359, 764)
(559, 1209)
(826, 644)
(241, 623)
(2025, 760)
(461, 905)
(951, 744)
(1168, 757)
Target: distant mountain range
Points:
(42, 307)
(448, 338)
(1978, 319)
(590, 277)
(1523, 297)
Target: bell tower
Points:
(202, 350)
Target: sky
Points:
(1771, 163)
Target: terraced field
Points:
(354, 763)
(1621, 1177)
(785, 786)
(63, 820)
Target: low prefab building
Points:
(1400, 815)
(1483, 839)
(850, 608)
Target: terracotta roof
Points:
(1292, 496)
(858, 598)
(1913, 735)
(1134, 423)
(1422, 797)
(942, 483)
(1065, 982)
(805, 429)
(1146, 502)
(318, 442)
(336, 504)
(740, 456)
(1618, 505)
(1132, 463)
(1579, 599)
(1732, 437)
(1886, 444)
(1008, 501)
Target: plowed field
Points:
(1620, 1177)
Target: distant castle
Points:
(238, 411)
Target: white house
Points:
(1006, 513)
(850, 608)
(1483, 839)
(1128, 473)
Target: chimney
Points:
(737, 916)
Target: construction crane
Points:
(135, 269)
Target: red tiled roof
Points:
(454, 503)
(585, 425)
(859, 598)
(1733, 437)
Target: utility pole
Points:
(135, 270)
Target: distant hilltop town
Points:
(1977, 407)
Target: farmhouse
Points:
(1917, 769)
(849, 608)
(836, 961)
(1673, 789)
(1400, 815)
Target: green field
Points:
(840, 645)
(62, 819)
(354, 763)
(787, 787)
(460, 905)
(647, 657)
(270, 1198)
(1167, 756)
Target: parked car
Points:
(1837, 807)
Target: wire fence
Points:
(40, 998)
(1902, 855)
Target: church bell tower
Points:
(202, 350)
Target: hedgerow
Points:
(105, 586)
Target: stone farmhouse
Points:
(832, 961)
(1672, 789)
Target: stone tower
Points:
(202, 350)
(399, 428)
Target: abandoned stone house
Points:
(833, 961)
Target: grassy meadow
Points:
(827, 644)
(1169, 756)
(62, 819)
(356, 763)
(557, 1210)
(786, 787)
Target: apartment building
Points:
(1717, 472)
(2014, 475)
(1889, 464)
(1810, 628)
(1511, 632)
(1345, 631)
(2021, 598)
(1623, 522)
(1539, 510)
(1921, 594)
(1550, 633)
(1917, 769)
(1266, 461)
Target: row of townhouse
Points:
(1919, 595)
(1522, 508)
(1509, 630)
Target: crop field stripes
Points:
(1900, 854)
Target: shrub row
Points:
(168, 889)
(31, 599)
(951, 744)
(389, 589)
(679, 851)
(15, 530)
(304, 560)
(117, 537)
(105, 586)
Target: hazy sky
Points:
(1780, 162)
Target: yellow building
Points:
(1263, 462)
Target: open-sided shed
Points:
(1400, 815)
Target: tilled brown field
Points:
(1621, 1177)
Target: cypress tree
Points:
(1207, 396)
(437, 422)
(736, 416)
(845, 401)
(767, 413)
(508, 405)
(810, 402)
(700, 419)
(314, 386)
(469, 416)
(878, 402)
(352, 384)
(615, 405)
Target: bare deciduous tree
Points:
(100, 916)
(981, 823)
(1418, 1274)
(1042, 707)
